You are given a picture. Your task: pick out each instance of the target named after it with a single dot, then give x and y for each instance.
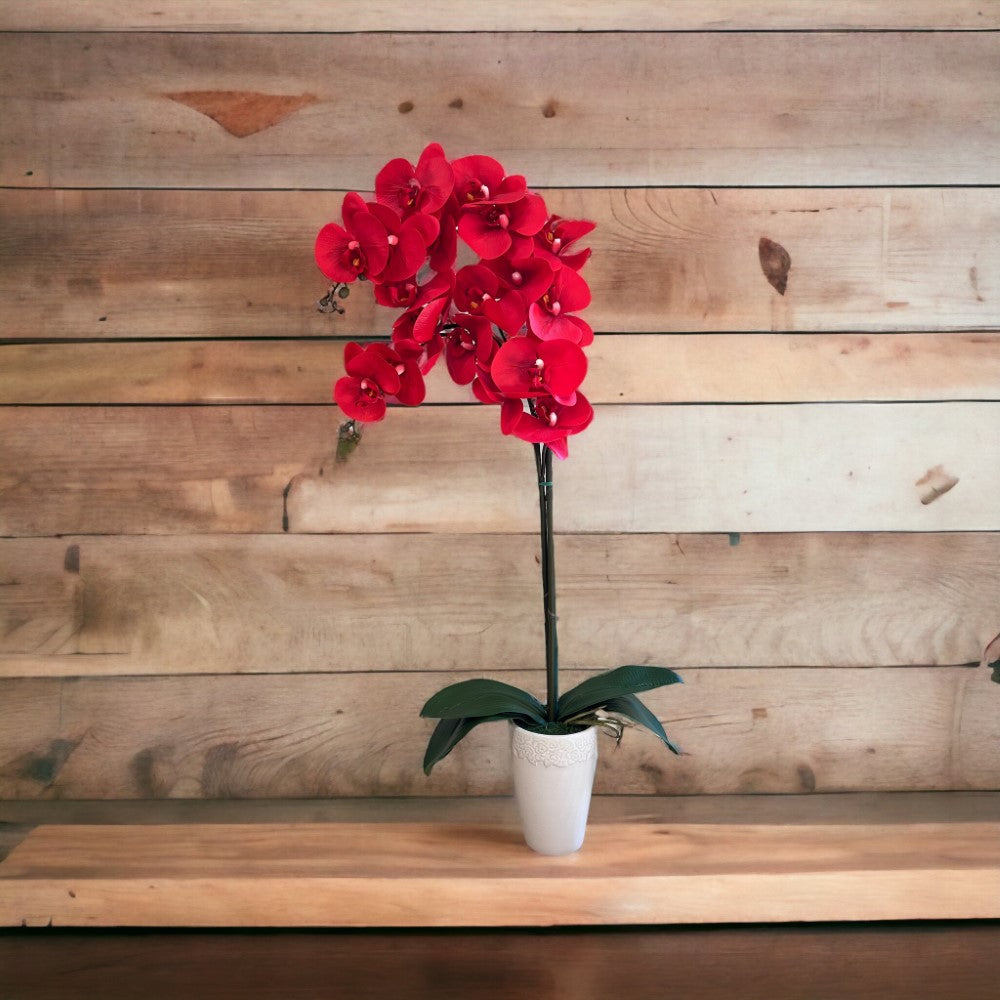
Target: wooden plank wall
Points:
(792, 497)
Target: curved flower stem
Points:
(543, 465)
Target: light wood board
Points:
(284, 111)
(434, 875)
(822, 467)
(460, 15)
(85, 606)
(204, 264)
(627, 368)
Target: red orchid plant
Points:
(509, 327)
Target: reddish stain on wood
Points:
(935, 483)
(243, 112)
(775, 263)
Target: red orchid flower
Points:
(407, 294)
(526, 367)
(370, 377)
(549, 317)
(358, 249)
(468, 347)
(376, 374)
(424, 188)
(497, 210)
(443, 251)
(424, 356)
(416, 333)
(556, 238)
(493, 229)
(484, 388)
(483, 180)
(478, 291)
(550, 424)
(407, 239)
(530, 277)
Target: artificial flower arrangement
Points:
(509, 327)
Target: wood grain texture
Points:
(202, 264)
(841, 808)
(454, 15)
(933, 960)
(314, 735)
(438, 875)
(779, 108)
(272, 604)
(628, 368)
(823, 467)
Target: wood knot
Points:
(775, 263)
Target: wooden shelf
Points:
(471, 873)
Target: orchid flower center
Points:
(354, 257)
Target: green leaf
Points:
(595, 691)
(448, 733)
(630, 706)
(480, 698)
(995, 676)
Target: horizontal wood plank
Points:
(628, 368)
(823, 467)
(219, 604)
(843, 808)
(440, 875)
(283, 111)
(80, 264)
(454, 15)
(315, 735)
(203, 264)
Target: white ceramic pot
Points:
(553, 779)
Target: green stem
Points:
(543, 465)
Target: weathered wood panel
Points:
(113, 264)
(455, 15)
(213, 604)
(283, 111)
(780, 730)
(627, 368)
(18, 816)
(822, 467)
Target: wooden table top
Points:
(480, 874)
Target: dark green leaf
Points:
(448, 733)
(482, 697)
(991, 658)
(630, 706)
(595, 691)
